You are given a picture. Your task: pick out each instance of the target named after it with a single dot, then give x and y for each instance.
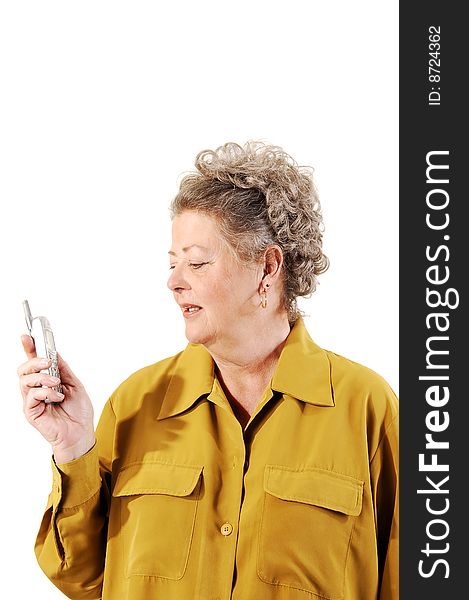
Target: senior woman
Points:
(252, 465)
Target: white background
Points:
(104, 105)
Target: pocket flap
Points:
(157, 478)
(315, 486)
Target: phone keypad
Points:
(54, 369)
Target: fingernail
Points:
(60, 395)
(44, 362)
(55, 379)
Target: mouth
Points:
(190, 310)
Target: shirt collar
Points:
(192, 378)
(302, 371)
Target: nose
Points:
(176, 280)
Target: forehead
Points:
(192, 230)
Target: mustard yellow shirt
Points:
(177, 502)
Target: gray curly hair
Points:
(260, 196)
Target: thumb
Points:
(28, 346)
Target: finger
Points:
(33, 366)
(37, 380)
(28, 346)
(37, 395)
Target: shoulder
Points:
(150, 380)
(354, 382)
(356, 376)
(365, 395)
(150, 373)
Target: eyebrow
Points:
(188, 248)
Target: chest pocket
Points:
(158, 506)
(308, 517)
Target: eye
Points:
(171, 267)
(197, 265)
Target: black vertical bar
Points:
(434, 234)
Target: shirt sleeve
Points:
(384, 480)
(71, 542)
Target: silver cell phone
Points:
(41, 332)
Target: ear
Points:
(273, 261)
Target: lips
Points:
(190, 309)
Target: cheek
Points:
(229, 291)
(219, 295)
(237, 297)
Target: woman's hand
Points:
(67, 426)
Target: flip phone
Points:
(41, 332)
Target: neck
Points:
(252, 356)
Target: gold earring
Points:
(264, 298)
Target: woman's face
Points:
(219, 298)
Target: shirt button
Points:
(226, 528)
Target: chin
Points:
(197, 334)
